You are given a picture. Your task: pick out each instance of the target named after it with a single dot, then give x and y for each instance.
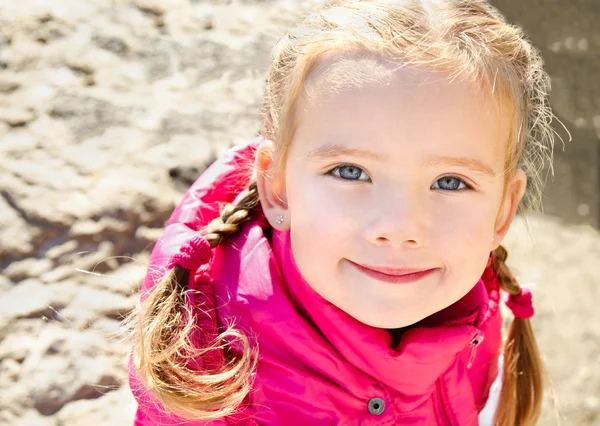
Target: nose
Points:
(397, 221)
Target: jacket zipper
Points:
(475, 342)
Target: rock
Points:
(63, 77)
(62, 137)
(8, 86)
(157, 8)
(113, 44)
(29, 299)
(110, 328)
(65, 208)
(13, 395)
(23, 326)
(27, 268)
(127, 279)
(86, 58)
(17, 141)
(78, 318)
(26, 55)
(102, 302)
(592, 403)
(123, 78)
(5, 284)
(155, 211)
(49, 29)
(159, 57)
(15, 347)
(18, 236)
(115, 408)
(62, 294)
(206, 21)
(198, 153)
(44, 219)
(75, 12)
(98, 153)
(96, 262)
(106, 225)
(87, 116)
(9, 369)
(4, 130)
(33, 299)
(14, 401)
(67, 366)
(33, 418)
(148, 236)
(152, 7)
(16, 117)
(206, 57)
(55, 174)
(34, 96)
(137, 203)
(60, 273)
(56, 252)
(71, 380)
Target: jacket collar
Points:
(425, 350)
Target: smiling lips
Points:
(393, 275)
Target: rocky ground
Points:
(106, 106)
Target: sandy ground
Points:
(99, 101)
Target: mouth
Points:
(393, 275)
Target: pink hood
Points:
(317, 364)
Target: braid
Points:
(506, 279)
(522, 386)
(232, 216)
(164, 325)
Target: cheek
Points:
(463, 241)
(465, 223)
(315, 207)
(322, 225)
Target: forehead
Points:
(362, 99)
(351, 71)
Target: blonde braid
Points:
(232, 216)
(163, 326)
(522, 387)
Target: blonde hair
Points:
(463, 39)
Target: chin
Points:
(389, 321)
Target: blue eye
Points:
(349, 172)
(452, 183)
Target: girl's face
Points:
(402, 171)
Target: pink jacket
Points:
(318, 365)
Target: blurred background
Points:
(109, 109)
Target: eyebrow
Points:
(334, 150)
(467, 162)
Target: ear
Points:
(508, 208)
(271, 189)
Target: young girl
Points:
(345, 267)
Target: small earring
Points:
(279, 219)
